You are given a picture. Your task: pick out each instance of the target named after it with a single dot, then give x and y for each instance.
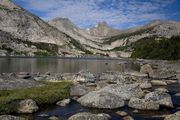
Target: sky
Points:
(119, 14)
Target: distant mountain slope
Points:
(22, 33)
(23, 25)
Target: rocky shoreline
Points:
(108, 90)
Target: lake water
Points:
(62, 65)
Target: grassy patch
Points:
(47, 94)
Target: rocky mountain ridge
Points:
(61, 37)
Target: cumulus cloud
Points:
(86, 13)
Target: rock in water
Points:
(175, 116)
(90, 116)
(98, 99)
(161, 98)
(125, 91)
(143, 104)
(63, 102)
(27, 106)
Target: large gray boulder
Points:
(11, 117)
(175, 116)
(125, 91)
(98, 99)
(162, 98)
(162, 74)
(84, 76)
(27, 106)
(143, 104)
(90, 116)
(78, 90)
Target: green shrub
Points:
(157, 48)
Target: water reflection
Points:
(61, 65)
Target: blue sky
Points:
(117, 13)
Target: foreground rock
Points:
(90, 116)
(10, 81)
(78, 90)
(63, 102)
(143, 104)
(27, 106)
(162, 98)
(175, 116)
(125, 91)
(99, 99)
(10, 117)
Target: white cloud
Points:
(88, 12)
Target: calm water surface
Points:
(62, 65)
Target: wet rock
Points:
(78, 90)
(145, 85)
(63, 102)
(98, 99)
(84, 76)
(128, 118)
(162, 98)
(27, 106)
(158, 82)
(121, 113)
(146, 69)
(24, 75)
(11, 117)
(175, 116)
(90, 116)
(143, 104)
(162, 74)
(125, 91)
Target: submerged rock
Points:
(11, 117)
(98, 99)
(27, 106)
(90, 116)
(162, 98)
(175, 116)
(128, 118)
(143, 104)
(125, 91)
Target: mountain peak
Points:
(9, 4)
(102, 24)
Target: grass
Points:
(48, 94)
